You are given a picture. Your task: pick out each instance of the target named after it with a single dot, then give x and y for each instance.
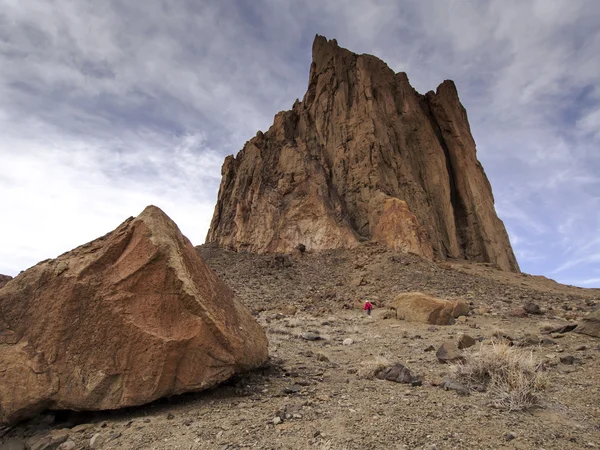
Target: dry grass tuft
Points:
(369, 368)
(512, 376)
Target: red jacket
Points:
(368, 306)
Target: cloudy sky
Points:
(107, 106)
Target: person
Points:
(368, 307)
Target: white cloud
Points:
(107, 106)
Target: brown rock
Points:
(532, 308)
(399, 374)
(418, 307)
(362, 157)
(4, 279)
(466, 341)
(448, 353)
(590, 324)
(517, 312)
(123, 320)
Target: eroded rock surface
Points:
(123, 320)
(363, 157)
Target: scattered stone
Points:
(590, 324)
(348, 341)
(399, 374)
(48, 441)
(466, 341)
(322, 357)
(67, 445)
(295, 389)
(517, 312)
(170, 416)
(510, 436)
(561, 329)
(448, 353)
(448, 384)
(532, 308)
(431, 348)
(581, 348)
(97, 441)
(310, 336)
(567, 360)
(277, 420)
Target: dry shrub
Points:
(368, 369)
(512, 376)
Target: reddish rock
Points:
(418, 307)
(123, 320)
(362, 157)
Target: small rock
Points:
(399, 374)
(292, 389)
(348, 341)
(462, 319)
(431, 348)
(517, 312)
(97, 441)
(450, 385)
(465, 341)
(170, 416)
(568, 360)
(48, 441)
(277, 420)
(581, 348)
(67, 445)
(532, 308)
(322, 357)
(448, 352)
(310, 336)
(510, 436)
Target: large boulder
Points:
(590, 324)
(418, 307)
(126, 319)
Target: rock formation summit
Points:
(123, 320)
(364, 156)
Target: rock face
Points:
(362, 157)
(124, 320)
(418, 307)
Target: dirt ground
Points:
(313, 393)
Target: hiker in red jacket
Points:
(368, 307)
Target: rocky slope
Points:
(362, 157)
(126, 319)
(315, 394)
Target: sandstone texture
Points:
(126, 319)
(362, 157)
(418, 307)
